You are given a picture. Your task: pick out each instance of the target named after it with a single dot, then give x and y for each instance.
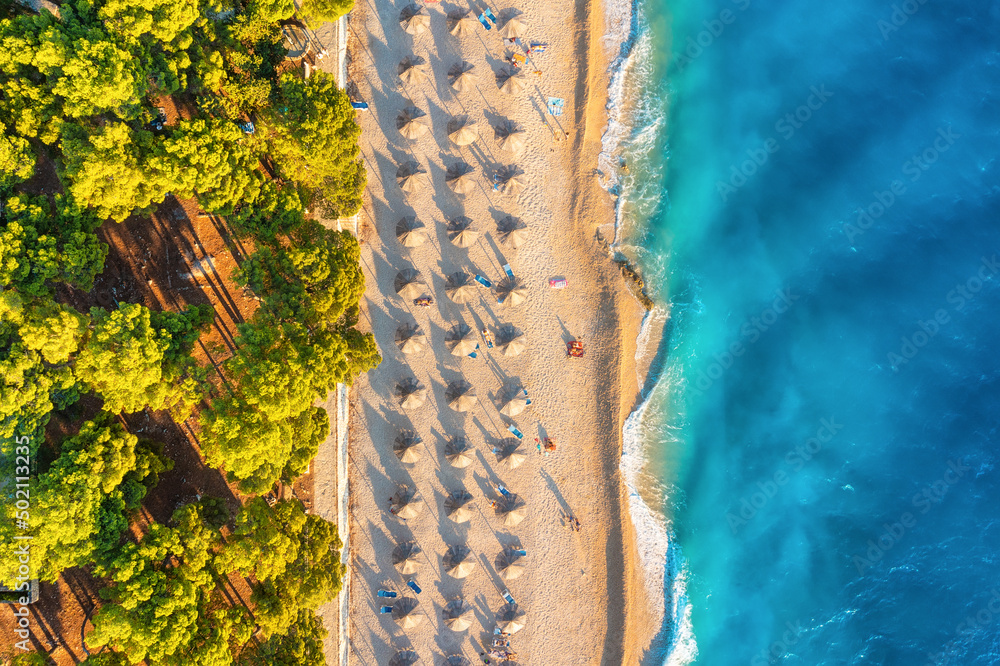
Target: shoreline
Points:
(615, 316)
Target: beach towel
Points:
(483, 281)
(473, 355)
(386, 594)
(508, 271)
(482, 19)
(537, 47)
(514, 431)
(413, 586)
(556, 106)
(557, 283)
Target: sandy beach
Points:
(581, 591)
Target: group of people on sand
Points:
(572, 522)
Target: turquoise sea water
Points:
(813, 193)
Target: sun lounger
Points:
(359, 105)
(488, 13)
(386, 594)
(503, 491)
(482, 19)
(514, 431)
(507, 597)
(522, 553)
(385, 609)
(483, 281)
(508, 271)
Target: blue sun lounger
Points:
(503, 491)
(413, 586)
(507, 597)
(385, 609)
(514, 431)
(508, 271)
(359, 105)
(386, 594)
(483, 281)
(522, 553)
(482, 19)
(488, 13)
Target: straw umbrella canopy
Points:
(408, 283)
(512, 136)
(460, 396)
(458, 561)
(461, 24)
(411, 393)
(414, 19)
(510, 454)
(513, 232)
(458, 452)
(457, 615)
(512, 81)
(412, 123)
(404, 658)
(459, 287)
(412, 70)
(511, 508)
(460, 340)
(462, 131)
(512, 341)
(508, 564)
(406, 558)
(406, 613)
(460, 232)
(461, 76)
(459, 179)
(456, 506)
(410, 339)
(411, 177)
(456, 660)
(513, 29)
(514, 406)
(513, 291)
(405, 447)
(406, 503)
(411, 232)
(510, 618)
(511, 181)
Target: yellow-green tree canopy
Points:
(301, 645)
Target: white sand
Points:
(583, 599)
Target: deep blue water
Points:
(832, 383)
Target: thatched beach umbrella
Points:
(410, 339)
(406, 558)
(406, 614)
(513, 29)
(510, 618)
(414, 19)
(512, 341)
(411, 393)
(461, 24)
(514, 406)
(513, 232)
(458, 453)
(459, 287)
(511, 509)
(411, 232)
(412, 70)
(411, 177)
(511, 136)
(460, 232)
(412, 123)
(404, 658)
(406, 503)
(408, 283)
(508, 564)
(456, 660)
(459, 178)
(406, 447)
(511, 180)
(456, 506)
(457, 615)
(462, 77)
(460, 396)
(510, 454)
(512, 291)
(462, 131)
(512, 81)
(460, 340)
(458, 561)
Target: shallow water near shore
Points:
(812, 194)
